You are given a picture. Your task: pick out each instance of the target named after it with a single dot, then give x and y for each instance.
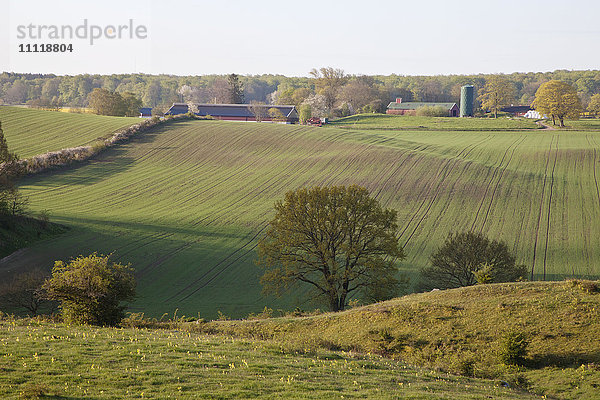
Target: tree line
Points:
(327, 91)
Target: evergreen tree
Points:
(236, 90)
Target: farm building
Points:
(241, 112)
(146, 112)
(409, 108)
(516, 111)
(533, 115)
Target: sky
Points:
(419, 37)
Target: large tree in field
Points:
(337, 239)
(105, 102)
(328, 82)
(594, 105)
(559, 100)
(469, 258)
(497, 92)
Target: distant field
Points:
(43, 360)
(584, 124)
(30, 132)
(186, 203)
(408, 122)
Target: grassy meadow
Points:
(31, 132)
(409, 122)
(461, 331)
(186, 202)
(364, 352)
(46, 360)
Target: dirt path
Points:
(545, 126)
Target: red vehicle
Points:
(314, 121)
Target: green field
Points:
(31, 132)
(409, 122)
(186, 202)
(43, 360)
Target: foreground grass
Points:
(454, 329)
(41, 359)
(409, 122)
(31, 132)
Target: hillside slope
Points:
(45, 360)
(30, 132)
(185, 203)
(448, 329)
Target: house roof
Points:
(243, 110)
(177, 108)
(146, 110)
(414, 105)
(516, 109)
(233, 110)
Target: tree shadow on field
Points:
(107, 163)
(565, 360)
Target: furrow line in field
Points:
(539, 220)
(500, 176)
(140, 243)
(550, 206)
(162, 259)
(489, 184)
(444, 173)
(449, 199)
(392, 174)
(214, 267)
(220, 271)
(594, 168)
(435, 223)
(298, 166)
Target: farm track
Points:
(494, 172)
(197, 284)
(550, 207)
(595, 147)
(500, 176)
(537, 229)
(446, 172)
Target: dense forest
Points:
(327, 91)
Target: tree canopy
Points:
(559, 100)
(594, 105)
(336, 239)
(468, 258)
(105, 102)
(497, 92)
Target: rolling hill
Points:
(186, 202)
(31, 132)
(449, 329)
